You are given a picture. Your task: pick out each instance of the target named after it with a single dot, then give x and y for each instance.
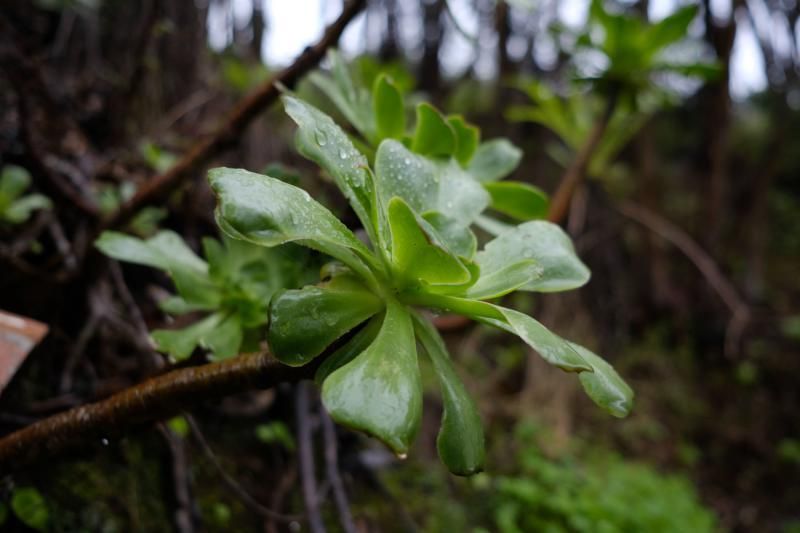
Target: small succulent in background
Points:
(378, 110)
(15, 206)
(636, 50)
(233, 286)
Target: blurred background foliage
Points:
(689, 220)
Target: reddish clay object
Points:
(18, 336)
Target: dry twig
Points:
(740, 311)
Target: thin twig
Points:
(63, 246)
(305, 454)
(226, 134)
(155, 399)
(285, 484)
(247, 499)
(334, 476)
(184, 514)
(135, 314)
(740, 311)
(77, 351)
(30, 232)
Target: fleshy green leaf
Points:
(351, 100)
(494, 160)
(322, 141)
(543, 242)
(518, 200)
(433, 135)
(460, 442)
(380, 391)
(349, 350)
(390, 114)
(457, 237)
(269, 212)
(604, 385)
(505, 280)
(166, 251)
(467, 138)
(548, 345)
(304, 322)
(427, 185)
(417, 255)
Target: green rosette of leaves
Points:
(416, 209)
(375, 106)
(231, 288)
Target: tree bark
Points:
(155, 399)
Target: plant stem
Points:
(573, 176)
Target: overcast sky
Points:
(297, 23)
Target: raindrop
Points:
(321, 137)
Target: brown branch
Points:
(574, 174)
(157, 398)
(157, 188)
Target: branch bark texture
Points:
(573, 176)
(155, 399)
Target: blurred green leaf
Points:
(179, 426)
(30, 507)
(275, 433)
(467, 139)
(494, 160)
(518, 200)
(390, 113)
(433, 135)
(547, 245)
